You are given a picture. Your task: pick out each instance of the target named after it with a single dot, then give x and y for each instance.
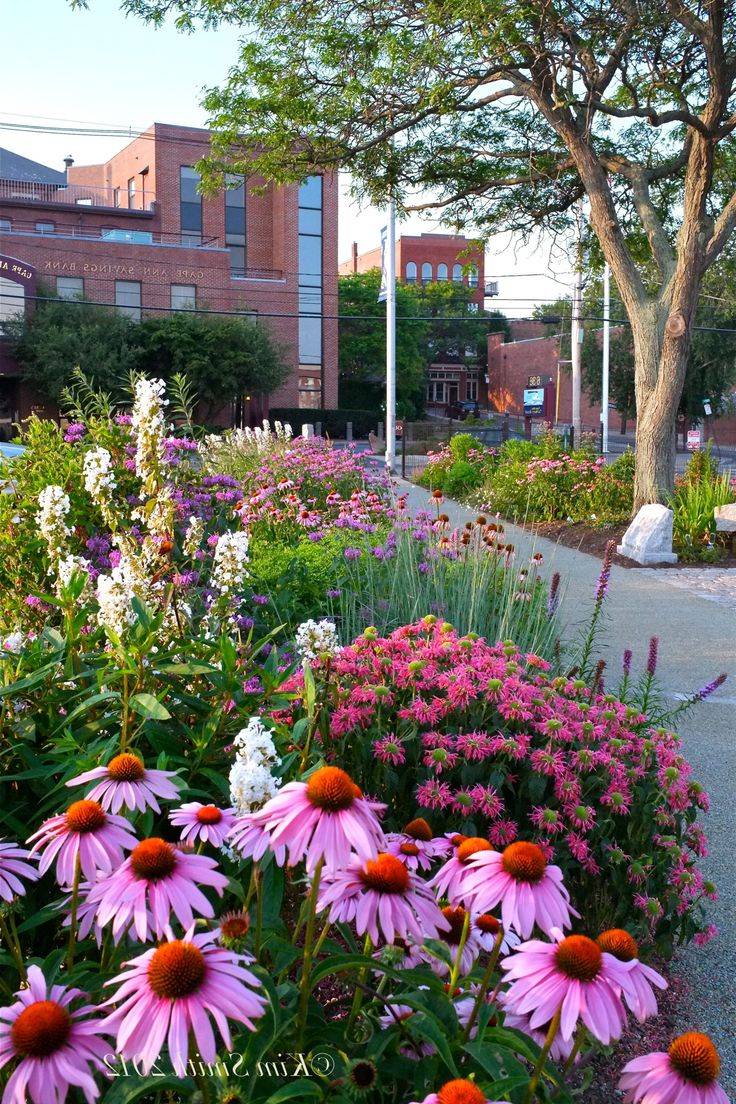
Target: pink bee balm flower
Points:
(207, 823)
(572, 975)
(382, 892)
(685, 1074)
(416, 846)
(450, 880)
(125, 783)
(529, 890)
(55, 1045)
(13, 867)
(458, 1091)
(85, 832)
(325, 817)
(155, 880)
(170, 991)
(639, 994)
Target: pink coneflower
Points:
(450, 879)
(416, 846)
(325, 817)
(207, 823)
(85, 832)
(685, 1074)
(252, 841)
(171, 991)
(529, 889)
(487, 927)
(127, 784)
(560, 1050)
(55, 1044)
(13, 868)
(399, 1015)
(638, 994)
(455, 916)
(382, 893)
(155, 880)
(572, 975)
(459, 1091)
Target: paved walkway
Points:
(697, 634)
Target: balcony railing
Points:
(110, 234)
(75, 195)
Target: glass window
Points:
(310, 260)
(12, 300)
(44, 227)
(5, 225)
(237, 260)
(310, 339)
(183, 296)
(310, 192)
(190, 206)
(411, 272)
(310, 221)
(128, 298)
(116, 197)
(235, 220)
(310, 392)
(426, 272)
(69, 287)
(473, 276)
(441, 271)
(310, 300)
(131, 192)
(143, 237)
(457, 273)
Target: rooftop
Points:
(15, 167)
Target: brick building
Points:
(135, 233)
(429, 258)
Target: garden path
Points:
(697, 642)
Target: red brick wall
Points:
(449, 249)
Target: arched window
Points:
(426, 272)
(441, 271)
(457, 273)
(473, 276)
(411, 273)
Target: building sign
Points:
(383, 289)
(17, 271)
(693, 440)
(533, 402)
(123, 271)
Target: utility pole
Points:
(606, 353)
(390, 264)
(576, 331)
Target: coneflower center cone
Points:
(385, 874)
(41, 1029)
(85, 816)
(694, 1056)
(209, 814)
(176, 970)
(460, 1092)
(153, 859)
(418, 829)
(234, 925)
(471, 846)
(488, 924)
(126, 768)
(524, 861)
(331, 789)
(409, 849)
(618, 942)
(455, 917)
(579, 957)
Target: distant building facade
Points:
(426, 259)
(135, 233)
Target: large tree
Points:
(508, 112)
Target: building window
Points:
(116, 197)
(310, 290)
(69, 287)
(457, 273)
(426, 273)
(5, 226)
(441, 271)
(235, 222)
(471, 389)
(183, 297)
(190, 206)
(128, 298)
(44, 227)
(12, 300)
(411, 273)
(473, 276)
(131, 193)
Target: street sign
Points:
(694, 440)
(533, 401)
(707, 408)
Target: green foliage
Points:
(694, 501)
(458, 468)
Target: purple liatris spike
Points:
(554, 594)
(652, 657)
(605, 575)
(628, 654)
(710, 688)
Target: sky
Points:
(64, 68)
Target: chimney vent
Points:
(68, 161)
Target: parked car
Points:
(461, 410)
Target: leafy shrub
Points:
(694, 526)
(459, 468)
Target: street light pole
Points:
(576, 332)
(606, 353)
(390, 262)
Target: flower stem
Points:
(484, 985)
(458, 957)
(577, 1046)
(10, 936)
(304, 988)
(554, 1027)
(358, 996)
(73, 915)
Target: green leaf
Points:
(297, 1090)
(148, 706)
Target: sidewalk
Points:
(697, 642)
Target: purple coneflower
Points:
(55, 1045)
(416, 846)
(172, 990)
(638, 994)
(459, 1091)
(155, 880)
(127, 783)
(529, 889)
(13, 867)
(84, 833)
(207, 823)
(450, 879)
(686, 1073)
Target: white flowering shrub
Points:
(230, 562)
(252, 782)
(52, 514)
(317, 640)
